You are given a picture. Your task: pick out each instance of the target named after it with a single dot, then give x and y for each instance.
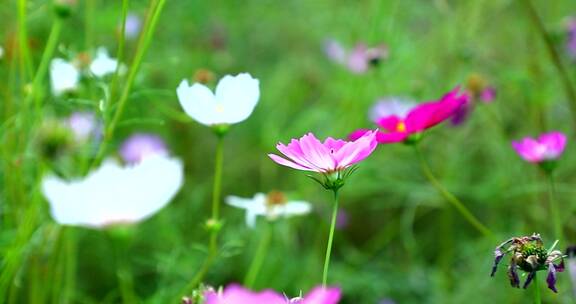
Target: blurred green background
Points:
(403, 242)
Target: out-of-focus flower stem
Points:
(120, 52)
(25, 61)
(214, 222)
(143, 45)
(259, 257)
(330, 239)
(554, 207)
(47, 55)
(450, 197)
(537, 299)
(554, 56)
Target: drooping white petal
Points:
(103, 64)
(114, 194)
(295, 208)
(198, 102)
(64, 76)
(237, 95)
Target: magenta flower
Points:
(547, 147)
(236, 294)
(488, 94)
(142, 145)
(398, 128)
(334, 155)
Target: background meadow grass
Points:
(403, 241)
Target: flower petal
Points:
(356, 151)
(322, 295)
(237, 96)
(198, 102)
(284, 162)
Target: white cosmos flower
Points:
(113, 194)
(64, 76)
(260, 205)
(103, 64)
(233, 101)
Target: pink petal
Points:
(284, 162)
(315, 152)
(333, 145)
(390, 138)
(236, 294)
(320, 295)
(529, 149)
(555, 142)
(429, 114)
(389, 123)
(358, 133)
(355, 151)
(294, 152)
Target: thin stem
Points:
(554, 56)
(537, 299)
(70, 265)
(44, 63)
(141, 50)
(89, 23)
(259, 257)
(449, 196)
(25, 63)
(214, 220)
(123, 274)
(330, 239)
(554, 207)
(120, 52)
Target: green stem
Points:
(554, 207)
(120, 52)
(330, 239)
(69, 265)
(554, 56)
(141, 50)
(123, 273)
(25, 63)
(537, 299)
(89, 23)
(44, 63)
(214, 222)
(259, 257)
(449, 196)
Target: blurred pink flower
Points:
(142, 145)
(359, 59)
(571, 43)
(84, 125)
(334, 155)
(488, 94)
(133, 26)
(236, 294)
(398, 128)
(548, 146)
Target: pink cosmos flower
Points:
(236, 294)
(549, 146)
(398, 128)
(333, 155)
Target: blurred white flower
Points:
(103, 64)
(1, 52)
(113, 194)
(233, 102)
(272, 206)
(64, 76)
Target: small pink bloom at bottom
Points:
(549, 146)
(236, 294)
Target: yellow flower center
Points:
(401, 127)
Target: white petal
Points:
(198, 102)
(113, 194)
(296, 208)
(237, 96)
(63, 75)
(103, 64)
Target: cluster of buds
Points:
(529, 255)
